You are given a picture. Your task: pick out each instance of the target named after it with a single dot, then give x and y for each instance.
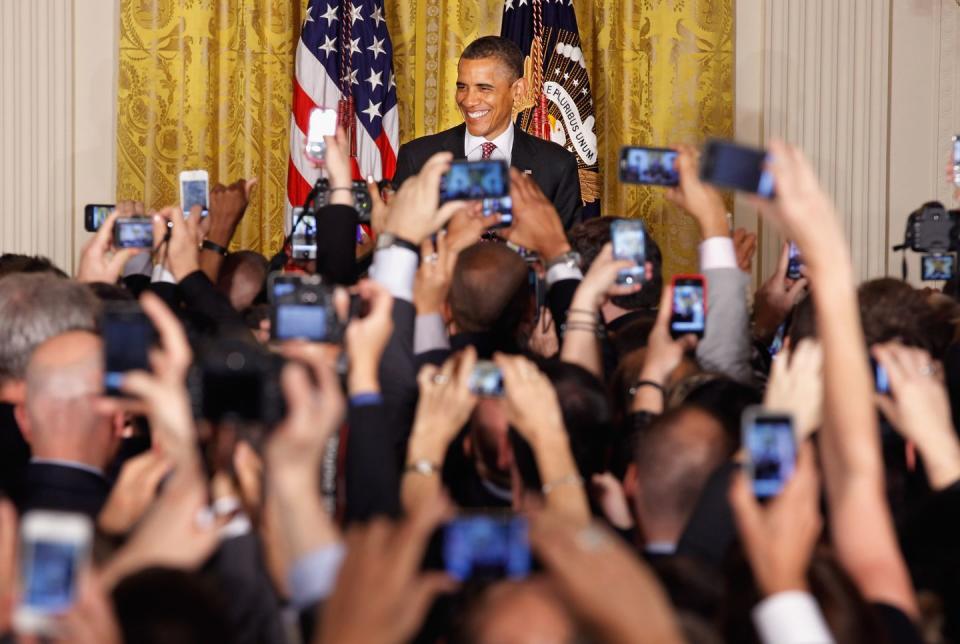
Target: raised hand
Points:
(415, 212)
(536, 224)
(182, 252)
(100, 262)
(135, 490)
(796, 385)
(697, 198)
(745, 244)
(367, 337)
(776, 298)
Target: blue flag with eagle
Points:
(559, 105)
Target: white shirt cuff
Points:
(430, 333)
(395, 268)
(560, 272)
(717, 252)
(313, 577)
(791, 617)
(161, 274)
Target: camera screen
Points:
(304, 239)
(689, 313)
(772, 451)
(303, 321)
(475, 180)
(486, 379)
(194, 194)
(134, 234)
(936, 267)
(649, 166)
(794, 262)
(629, 242)
(502, 206)
(100, 214)
(126, 343)
(880, 378)
(486, 547)
(956, 150)
(732, 166)
(52, 575)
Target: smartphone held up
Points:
(688, 315)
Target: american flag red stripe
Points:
(317, 83)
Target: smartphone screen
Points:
(649, 166)
(127, 337)
(474, 180)
(486, 380)
(729, 165)
(937, 266)
(689, 314)
(304, 238)
(94, 215)
(194, 191)
(502, 206)
(956, 160)
(630, 242)
(133, 232)
(880, 379)
(300, 321)
(323, 122)
(771, 451)
(486, 547)
(52, 581)
(794, 262)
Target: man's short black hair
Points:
(504, 50)
(15, 263)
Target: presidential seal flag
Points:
(345, 61)
(559, 105)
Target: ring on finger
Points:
(928, 370)
(441, 379)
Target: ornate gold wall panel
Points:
(206, 83)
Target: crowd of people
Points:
(616, 444)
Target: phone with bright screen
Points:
(127, 336)
(629, 240)
(936, 267)
(956, 160)
(486, 380)
(689, 306)
(304, 239)
(94, 215)
(771, 449)
(323, 122)
(649, 166)
(487, 546)
(794, 262)
(728, 165)
(475, 180)
(133, 232)
(195, 191)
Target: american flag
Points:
(324, 66)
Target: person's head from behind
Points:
(11, 263)
(489, 82)
(517, 612)
(891, 309)
(242, 276)
(60, 418)
(33, 308)
(674, 458)
(490, 293)
(588, 238)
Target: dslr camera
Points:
(361, 198)
(932, 229)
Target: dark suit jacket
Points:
(552, 167)
(49, 486)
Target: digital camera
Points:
(237, 381)
(931, 229)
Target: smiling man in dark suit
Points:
(489, 83)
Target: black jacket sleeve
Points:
(337, 244)
(559, 297)
(567, 199)
(201, 297)
(406, 166)
(372, 472)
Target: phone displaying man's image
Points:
(486, 380)
(487, 546)
(937, 267)
(475, 180)
(689, 307)
(133, 232)
(649, 166)
(302, 309)
(629, 241)
(728, 165)
(771, 450)
(127, 335)
(794, 262)
(304, 238)
(55, 550)
(94, 215)
(502, 206)
(194, 191)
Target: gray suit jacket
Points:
(725, 347)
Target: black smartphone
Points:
(474, 180)
(94, 215)
(649, 166)
(936, 267)
(771, 449)
(133, 232)
(303, 241)
(729, 165)
(127, 335)
(302, 308)
(689, 308)
(502, 206)
(629, 240)
(486, 380)
(794, 262)
(487, 546)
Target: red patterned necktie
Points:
(487, 149)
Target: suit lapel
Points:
(453, 141)
(522, 156)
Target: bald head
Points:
(64, 367)
(490, 290)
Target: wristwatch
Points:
(423, 467)
(570, 259)
(388, 240)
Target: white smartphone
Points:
(323, 122)
(194, 191)
(54, 551)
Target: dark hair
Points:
(16, 263)
(110, 292)
(490, 293)
(588, 238)
(725, 399)
(503, 49)
(892, 309)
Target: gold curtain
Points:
(206, 83)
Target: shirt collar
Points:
(64, 463)
(660, 548)
(504, 142)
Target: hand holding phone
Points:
(768, 438)
(194, 191)
(794, 262)
(689, 306)
(729, 165)
(323, 122)
(486, 380)
(127, 335)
